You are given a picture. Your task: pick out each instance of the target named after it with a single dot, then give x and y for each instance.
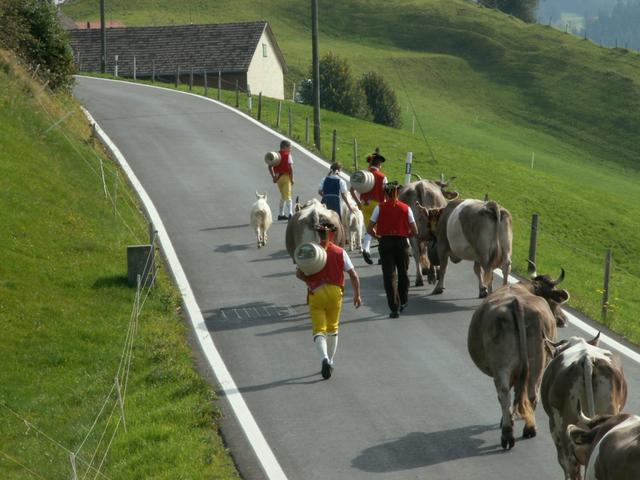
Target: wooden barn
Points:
(246, 53)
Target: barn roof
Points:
(228, 47)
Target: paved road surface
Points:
(405, 400)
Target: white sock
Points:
(281, 207)
(332, 345)
(366, 242)
(321, 344)
(288, 206)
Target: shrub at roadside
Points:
(31, 29)
(339, 92)
(381, 100)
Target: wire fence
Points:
(88, 459)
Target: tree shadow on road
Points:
(419, 449)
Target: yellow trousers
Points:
(367, 211)
(284, 185)
(325, 305)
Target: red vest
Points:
(377, 192)
(393, 219)
(283, 166)
(333, 271)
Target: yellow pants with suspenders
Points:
(284, 185)
(325, 305)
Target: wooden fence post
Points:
(486, 197)
(306, 130)
(533, 241)
(206, 83)
(260, 106)
(191, 79)
(278, 115)
(355, 154)
(605, 290)
(135, 68)
(220, 83)
(334, 145)
(153, 71)
(177, 76)
(290, 122)
(237, 95)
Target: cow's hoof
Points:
(437, 291)
(506, 439)
(529, 431)
(431, 279)
(419, 283)
(483, 293)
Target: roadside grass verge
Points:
(584, 206)
(65, 308)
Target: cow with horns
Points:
(425, 194)
(607, 445)
(472, 230)
(581, 373)
(506, 341)
(301, 226)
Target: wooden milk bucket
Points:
(310, 258)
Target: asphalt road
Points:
(405, 400)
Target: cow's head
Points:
(557, 348)
(444, 184)
(544, 286)
(588, 431)
(261, 195)
(428, 218)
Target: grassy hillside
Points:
(65, 309)
(488, 91)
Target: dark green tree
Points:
(523, 9)
(31, 29)
(339, 92)
(381, 100)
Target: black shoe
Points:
(326, 369)
(367, 257)
(379, 261)
(283, 217)
(403, 306)
(394, 315)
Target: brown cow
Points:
(608, 446)
(579, 372)
(427, 194)
(472, 230)
(506, 342)
(300, 228)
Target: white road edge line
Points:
(263, 451)
(572, 318)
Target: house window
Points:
(264, 49)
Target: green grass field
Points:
(65, 309)
(489, 91)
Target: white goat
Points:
(353, 224)
(261, 218)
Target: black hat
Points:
(325, 226)
(375, 157)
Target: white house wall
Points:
(265, 73)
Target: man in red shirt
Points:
(282, 174)
(325, 290)
(392, 223)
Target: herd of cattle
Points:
(512, 334)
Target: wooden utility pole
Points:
(103, 39)
(316, 73)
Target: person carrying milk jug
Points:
(392, 222)
(368, 201)
(333, 190)
(282, 174)
(325, 291)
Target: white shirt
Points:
(343, 184)
(348, 265)
(376, 212)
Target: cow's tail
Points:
(587, 369)
(521, 404)
(493, 210)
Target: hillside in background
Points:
(490, 94)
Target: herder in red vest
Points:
(368, 201)
(392, 223)
(325, 296)
(282, 174)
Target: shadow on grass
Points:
(111, 282)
